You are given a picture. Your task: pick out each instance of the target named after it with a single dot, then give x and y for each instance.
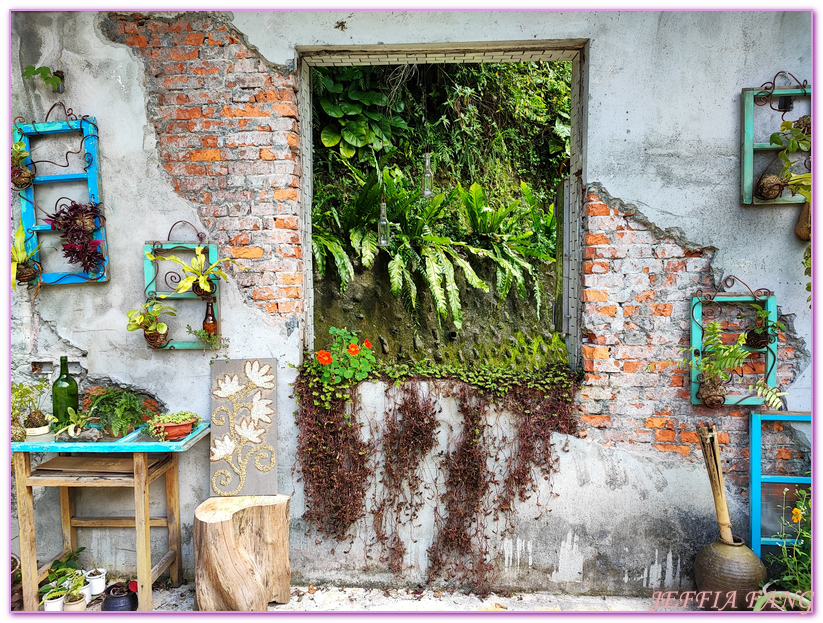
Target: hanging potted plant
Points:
(24, 268)
(760, 334)
(716, 362)
(199, 278)
(147, 318)
(172, 426)
(21, 175)
(77, 223)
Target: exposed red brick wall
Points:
(636, 292)
(227, 130)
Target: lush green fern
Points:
(770, 394)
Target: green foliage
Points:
(807, 270)
(355, 118)
(18, 153)
(44, 72)
(716, 360)
(118, 410)
(793, 139)
(26, 399)
(762, 322)
(195, 270)
(61, 570)
(343, 365)
(211, 341)
(770, 394)
(148, 317)
(794, 560)
(77, 421)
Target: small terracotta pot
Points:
(155, 339)
(176, 431)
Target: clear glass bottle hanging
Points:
(428, 193)
(383, 227)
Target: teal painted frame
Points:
(150, 272)
(757, 478)
(697, 343)
(748, 147)
(88, 127)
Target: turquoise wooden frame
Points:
(697, 343)
(748, 147)
(757, 478)
(88, 127)
(150, 273)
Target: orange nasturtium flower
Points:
(354, 349)
(324, 357)
(797, 515)
(366, 343)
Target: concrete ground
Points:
(338, 599)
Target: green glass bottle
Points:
(63, 393)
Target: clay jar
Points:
(118, 598)
(731, 569)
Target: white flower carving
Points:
(260, 410)
(227, 386)
(246, 429)
(222, 448)
(259, 375)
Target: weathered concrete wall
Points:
(197, 122)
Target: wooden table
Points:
(101, 464)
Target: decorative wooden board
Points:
(90, 464)
(243, 427)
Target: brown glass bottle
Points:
(210, 322)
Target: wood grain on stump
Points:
(241, 552)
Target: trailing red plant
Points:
(77, 223)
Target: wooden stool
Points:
(241, 552)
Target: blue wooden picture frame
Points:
(87, 126)
(770, 377)
(151, 273)
(748, 147)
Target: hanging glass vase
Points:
(428, 193)
(383, 227)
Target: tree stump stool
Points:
(241, 552)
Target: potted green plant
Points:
(25, 406)
(21, 175)
(716, 362)
(793, 136)
(24, 268)
(77, 593)
(78, 420)
(96, 577)
(199, 278)
(758, 335)
(147, 318)
(53, 598)
(172, 426)
(118, 411)
(59, 578)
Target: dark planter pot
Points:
(176, 431)
(26, 273)
(119, 602)
(757, 340)
(201, 292)
(712, 393)
(155, 339)
(731, 569)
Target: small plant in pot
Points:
(62, 574)
(199, 278)
(24, 268)
(760, 334)
(21, 175)
(172, 426)
(26, 406)
(77, 593)
(716, 362)
(77, 422)
(96, 577)
(147, 318)
(118, 411)
(77, 223)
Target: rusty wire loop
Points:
(766, 94)
(201, 237)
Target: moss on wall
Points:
(509, 334)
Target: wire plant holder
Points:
(87, 149)
(708, 306)
(159, 289)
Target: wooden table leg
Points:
(141, 524)
(173, 521)
(25, 522)
(66, 513)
